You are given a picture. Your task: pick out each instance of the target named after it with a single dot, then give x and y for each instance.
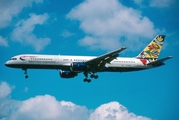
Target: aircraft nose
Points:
(7, 64)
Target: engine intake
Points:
(78, 66)
(67, 74)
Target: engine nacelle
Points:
(67, 74)
(78, 66)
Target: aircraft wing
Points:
(158, 62)
(99, 62)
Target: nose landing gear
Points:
(25, 72)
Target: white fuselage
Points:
(32, 61)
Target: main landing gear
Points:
(25, 72)
(91, 76)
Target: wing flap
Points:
(157, 62)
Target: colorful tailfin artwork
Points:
(152, 51)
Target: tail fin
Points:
(152, 51)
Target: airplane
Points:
(71, 66)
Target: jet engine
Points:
(67, 74)
(78, 66)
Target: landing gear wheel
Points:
(26, 76)
(91, 76)
(85, 80)
(89, 80)
(96, 77)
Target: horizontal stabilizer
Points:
(158, 62)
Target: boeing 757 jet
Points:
(71, 66)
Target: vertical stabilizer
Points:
(152, 50)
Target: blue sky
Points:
(88, 27)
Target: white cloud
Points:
(138, 1)
(111, 24)
(10, 8)
(23, 32)
(5, 90)
(99, 42)
(3, 42)
(6, 104)
(66, 34)
(161, 3)
(114, 111)
(46, 107)
(155, 3)
(26, 89)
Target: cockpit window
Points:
(13, 58)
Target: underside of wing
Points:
(99, 62)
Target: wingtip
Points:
(170, 56)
